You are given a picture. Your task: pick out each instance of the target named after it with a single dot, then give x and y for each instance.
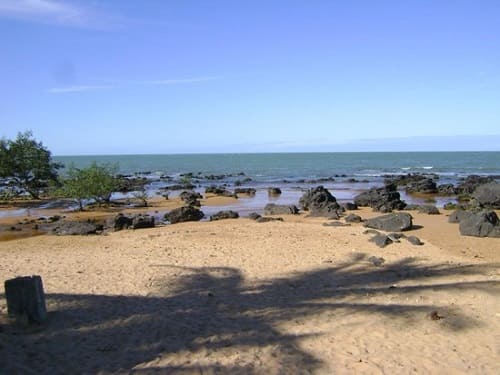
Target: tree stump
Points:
(26, 299)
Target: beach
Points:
(237, 296)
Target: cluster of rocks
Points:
(382, 240)
(126, 184)
(471, 183)
(191, 198)
(394, 223)
(220, 191)
(384, 199)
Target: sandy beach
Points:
(236, 296)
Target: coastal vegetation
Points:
(96, 182)
(28, 165)
(27, 168)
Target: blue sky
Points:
(104, 77)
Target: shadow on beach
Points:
(206, 310)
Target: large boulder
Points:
(280, 209)
(143, 221)
(319, 202)
(391, 223)
(480, 224)
(182, 214)
(488, 195)
(221, 215)
(470, 184)
(121, 222)
(384, 199)
(458, 215)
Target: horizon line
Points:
(278, 152)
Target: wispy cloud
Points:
(78, 88)
(117, 84)
(182, 80)
(56, 12)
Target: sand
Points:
(240, 297)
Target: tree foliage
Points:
(96, 182)
(28, 163)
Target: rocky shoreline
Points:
(473, 202)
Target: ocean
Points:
(275, 167)
(344, 174)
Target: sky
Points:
(182, 76)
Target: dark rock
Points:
(143, 221)
(182, 214)
(381, 240)
(247, 191)
(480, 224)
(191, 198)
(470, 184)
(350, 206)
(428, 209)
(273, 191)
(352, 218)
(446, 189)
(279, 209)
(76, 228)
(414, 240)
(384, 199)
(488, 195)
(390, 223)
(221, 215)
(425, 186)
(217, 190)
(254, 216)
(409, 179)
(121, 222)
(459, 215)
(319, 202)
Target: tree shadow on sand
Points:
(200, 311)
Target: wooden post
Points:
(26, 299)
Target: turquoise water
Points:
(279, 166)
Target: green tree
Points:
(96, 182)
(28, 163)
